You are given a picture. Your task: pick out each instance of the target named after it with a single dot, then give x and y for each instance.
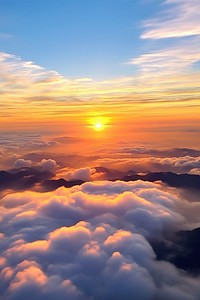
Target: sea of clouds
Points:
(93, 242)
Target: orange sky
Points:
(148, 108)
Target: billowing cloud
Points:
(93, 242)
(84, 174)
(195, 171)
(21, 163)
(44, 165)
(47, 165)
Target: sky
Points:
(99, 149)
(131, 65)
(76, 38)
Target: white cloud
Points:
(153, 164)
(47, 164)
(90, 242)
(178, 19)
(84, 174)
(25, 82)
(169, 60)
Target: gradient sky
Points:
(76, 38)
(131, 65)
(99, 149)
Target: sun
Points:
(98, 126)
(99, 123)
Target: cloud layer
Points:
(92, 242)
(182, 164)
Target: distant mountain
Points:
(22, 179)
(183, 250)
(27, 178)
(50, 185)
(172, 179)
(110, 174)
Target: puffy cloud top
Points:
(21, 163)
(92, 242)
(47, 164)
(83, 174)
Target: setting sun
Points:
(98, 126)
(98, 123)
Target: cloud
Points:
(47, 165)
(22, 80)
(66, 139)
(179, 22)
(170, 60)
(175, 250)
(21, 163)
(174, 152)
(171, 179)
(21, 141)
(84, 174)
(43, 165)
(93, 242)
(152, 164)
(4, 35)
(25, 177)
(195, 171)
(178, 19)
(30, 281)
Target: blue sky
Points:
(77, 38)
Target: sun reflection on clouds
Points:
(62, 260)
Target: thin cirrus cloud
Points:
(178, 19)
(70, 244)
(5, 35)
(169, 60)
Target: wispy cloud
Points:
(179, 18)
(29, 82)
(167, 67)
(169, 60)
(5, 35)
(30, 93)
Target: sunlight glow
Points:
(99, 123)
(98, 126)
